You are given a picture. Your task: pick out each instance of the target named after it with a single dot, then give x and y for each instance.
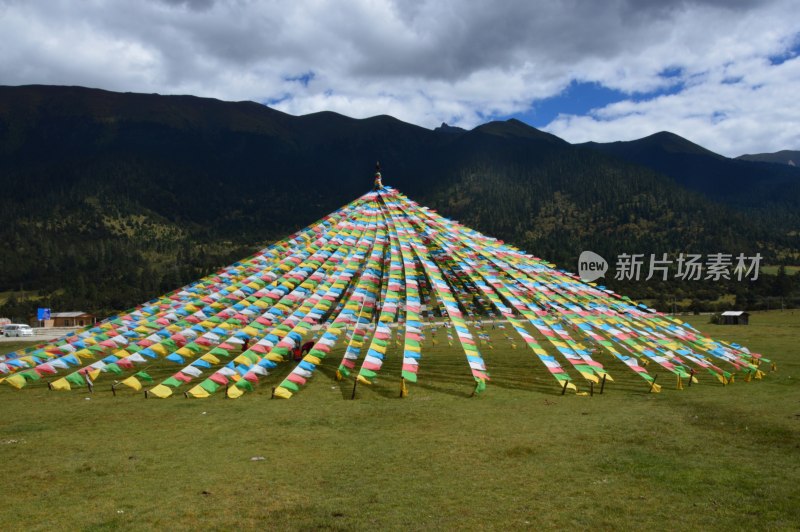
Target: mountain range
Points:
(111, 198)
(745, 182)
(790, 157)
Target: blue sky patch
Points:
(577, 99)
(791, 53)
(303, 79)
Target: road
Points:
(40, 335)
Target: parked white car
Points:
(17, 329)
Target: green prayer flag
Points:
(289, 385)
(144, 376)
(409, 376)
(244, 384)
(170, 344)
(30, 375)
(172, 382)
(75, 379)
(209, 386)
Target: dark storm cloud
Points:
(428, 39)
(450, 40)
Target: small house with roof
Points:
(734, 317)
(70, 319)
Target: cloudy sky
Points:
(723, 73)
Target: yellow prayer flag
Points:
(132, 382)
(282, 393)
(311, 359)
(61, 384)
(211, 359)
(159, 349)
(234, 392)
(17, 381)
(590, 377)
(160, 391)
(199, 392)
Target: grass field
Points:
(5, 296)
(773, 270)
(519, 456)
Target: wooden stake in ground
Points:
(652, 384)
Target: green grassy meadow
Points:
(518, 456)
(773, 270)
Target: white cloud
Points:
(427, 61)
(745, 108)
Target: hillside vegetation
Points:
(110, 199)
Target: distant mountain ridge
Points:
(790, 157)
(116, 197)
(740, 183)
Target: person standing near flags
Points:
(88, 379)
(378, 178)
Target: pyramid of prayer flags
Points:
(375, 279)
